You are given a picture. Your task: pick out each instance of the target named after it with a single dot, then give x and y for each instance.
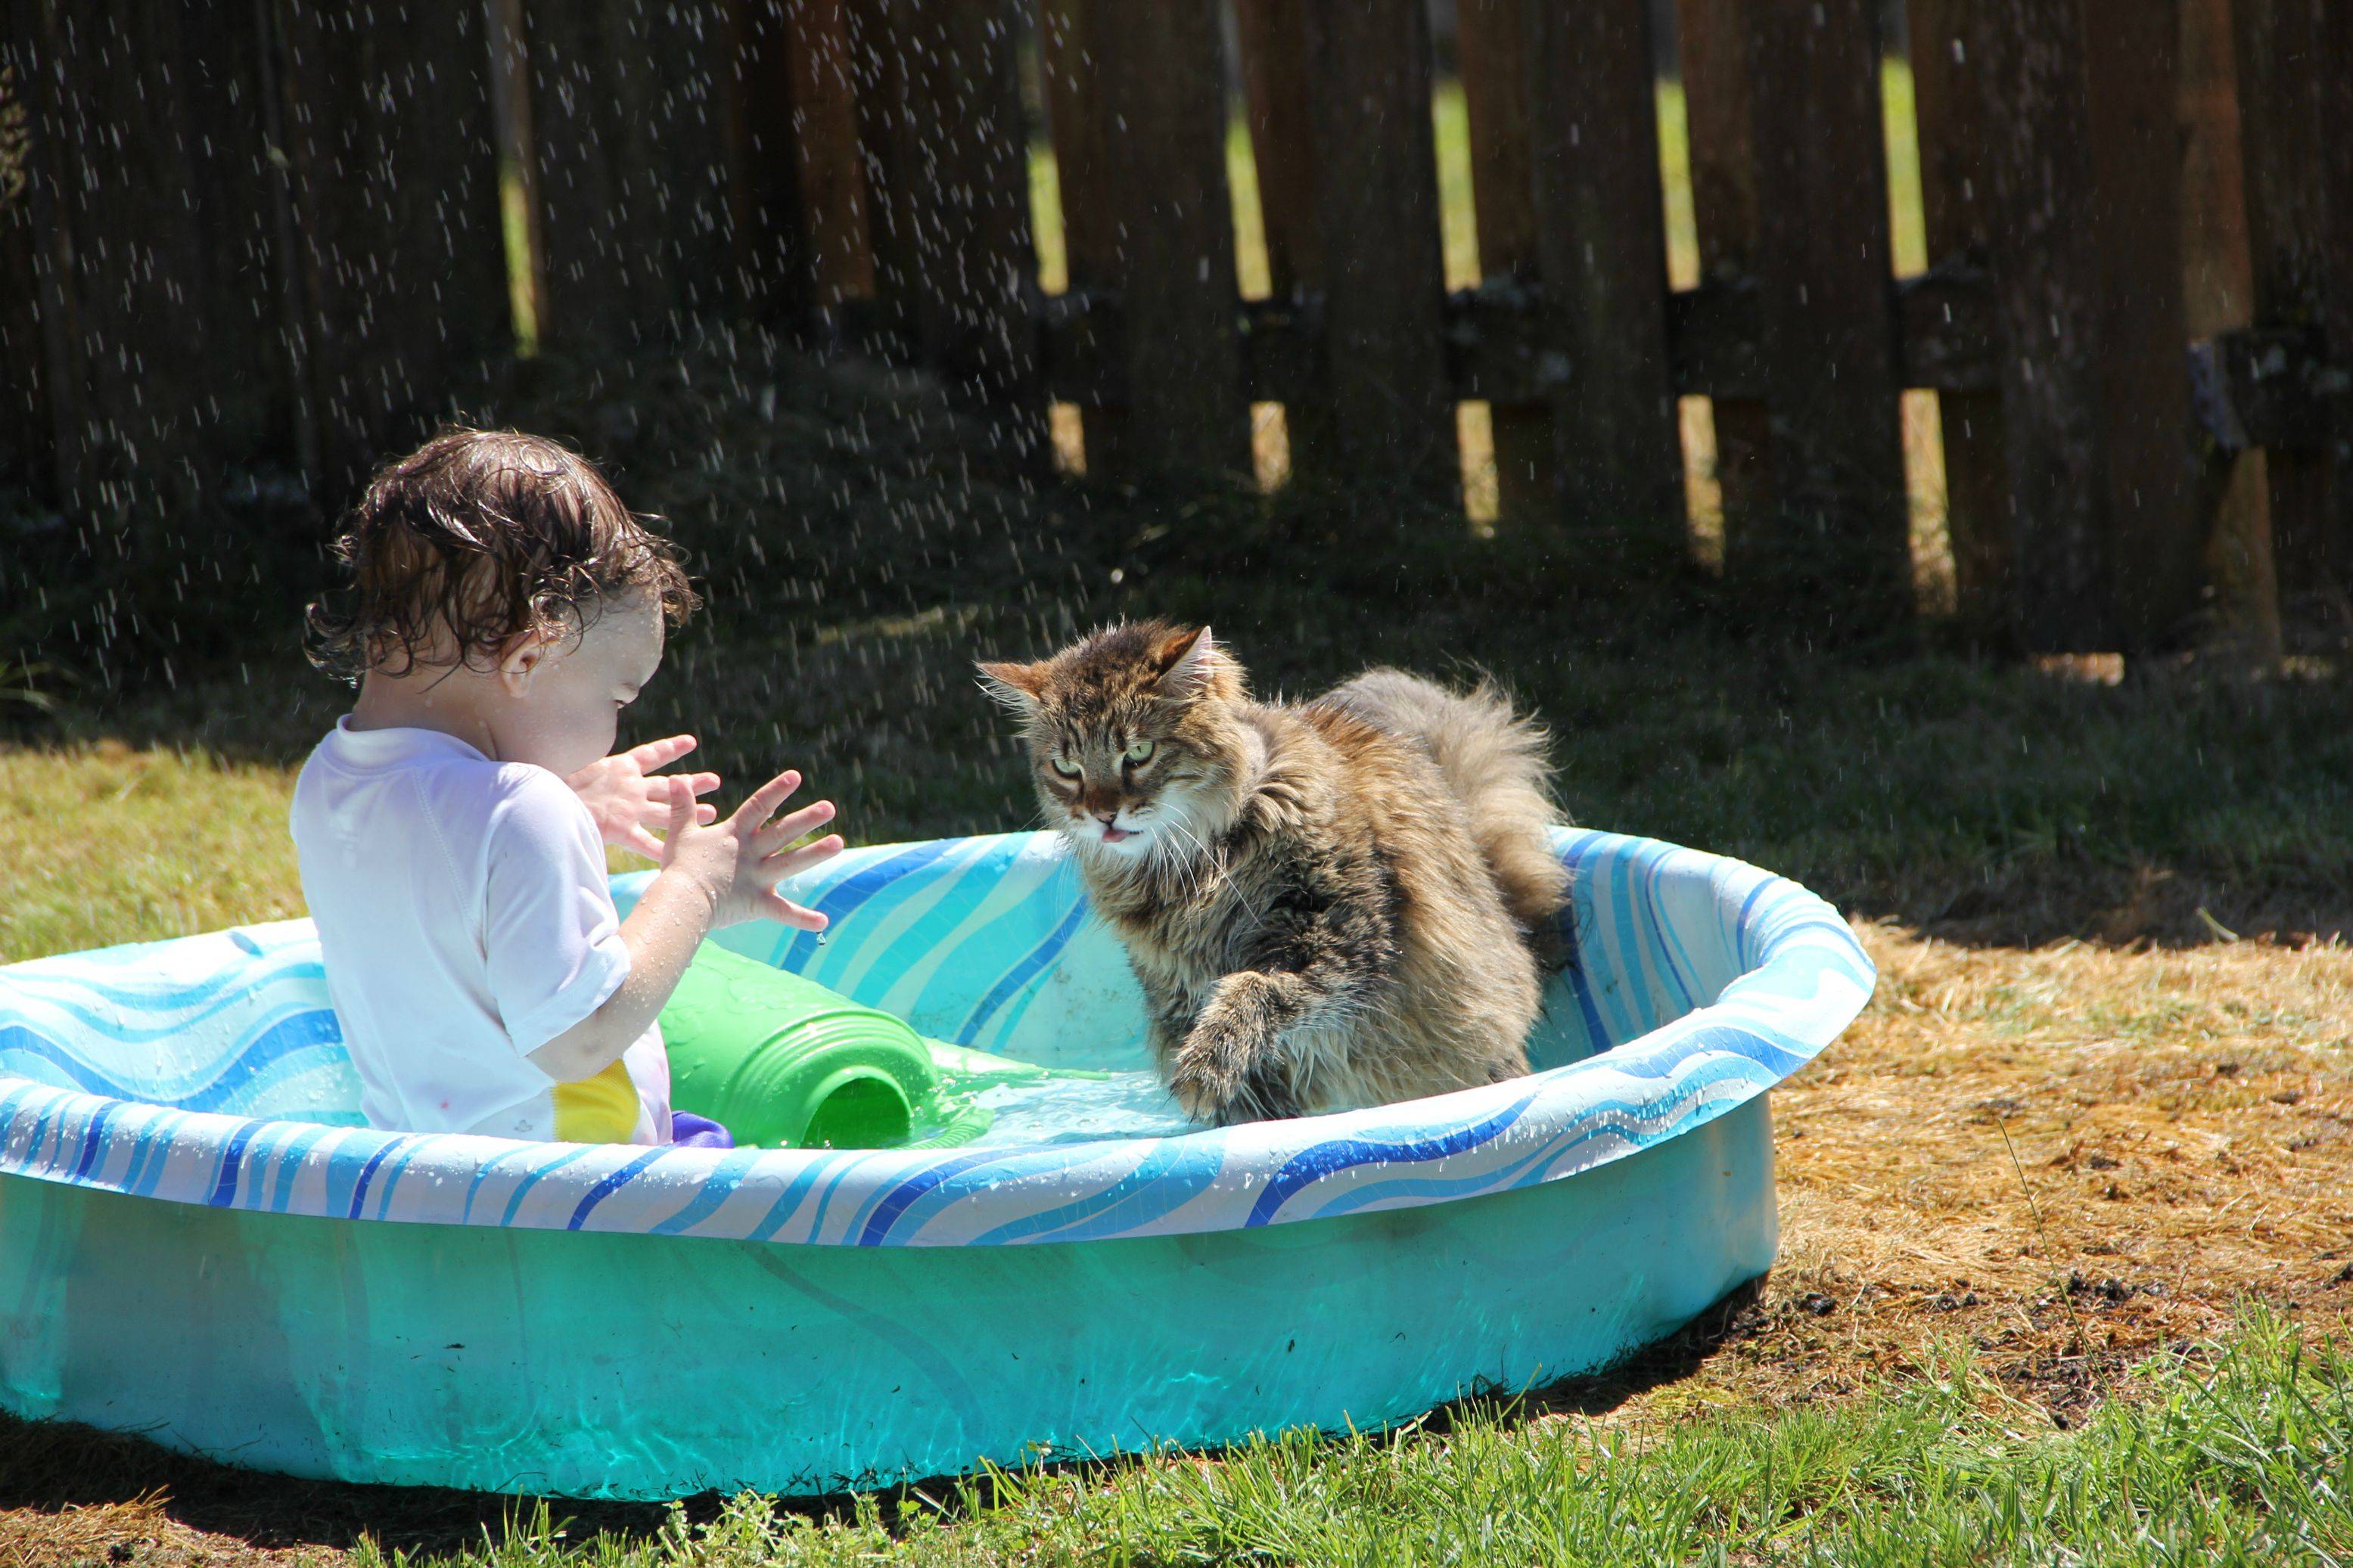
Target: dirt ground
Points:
(2065, 1158)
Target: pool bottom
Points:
(658, 1366)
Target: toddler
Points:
(504, 608)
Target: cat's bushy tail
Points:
(1494, 758)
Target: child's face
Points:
(561, 702)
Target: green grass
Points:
(2229, 1454)
(105, 844)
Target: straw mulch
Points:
(2062, 1159)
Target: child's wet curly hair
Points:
(478, 536)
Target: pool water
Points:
(1073, 1110)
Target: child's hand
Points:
(629, 796)
(740, 861)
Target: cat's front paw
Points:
(1204, 1086)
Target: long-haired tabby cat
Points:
(1330, 904)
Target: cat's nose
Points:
(1107, 817)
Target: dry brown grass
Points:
(141, 1530)
(2065, 1157)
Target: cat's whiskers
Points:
(1224, 873)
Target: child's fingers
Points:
(682, 818)
(785, 829)
(783, 910)
(706, 815)
(762, 803)
(655, 754)
(638, 841)
(791, 860)
(700, 783)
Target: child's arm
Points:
(712, 875)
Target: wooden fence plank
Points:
(1279, 86)
(768, 225)
(1490, 42)
(629, 113)
(2132, 56)
(2336, 81)
(2047, 300)
(1076, 117)
(975, 270)
(1161, 77)
(2088, 284)
(2295, 61)
(825, 142)
(1376, 213)
(395, 186)
(1601, 231)
(1829, 334)
(165, 99)
(1712, 41)
(26, 431)
(1956, 204)
(2233, 505)
(887, 157)
(155, 268)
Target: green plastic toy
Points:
(783, 1062)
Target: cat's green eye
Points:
(1139, 750)
(1057, 764)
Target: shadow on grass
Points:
(52, 1469)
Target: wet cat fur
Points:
(1331, 904)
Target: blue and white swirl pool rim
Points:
(200, 1241)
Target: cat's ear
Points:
(1016, 686)
(1187, 660)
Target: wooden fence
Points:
(241, 233)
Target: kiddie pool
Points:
(198, 1242)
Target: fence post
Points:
(1376, 213)
(395, 190)
(1957, 210)
(1491, 40)
(2088, 298)
(975, 270)
(1162, 79)
(1827, 309)
(2133, 55)
(2295, 102)
(1076, 116)
(1601, 234)
(1711, 40)
(774, 268)
(2232, 507)
(1279, 87)
(27, 430)
(946, 172)
(825, 147)
(155, 266)
(628, 116)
